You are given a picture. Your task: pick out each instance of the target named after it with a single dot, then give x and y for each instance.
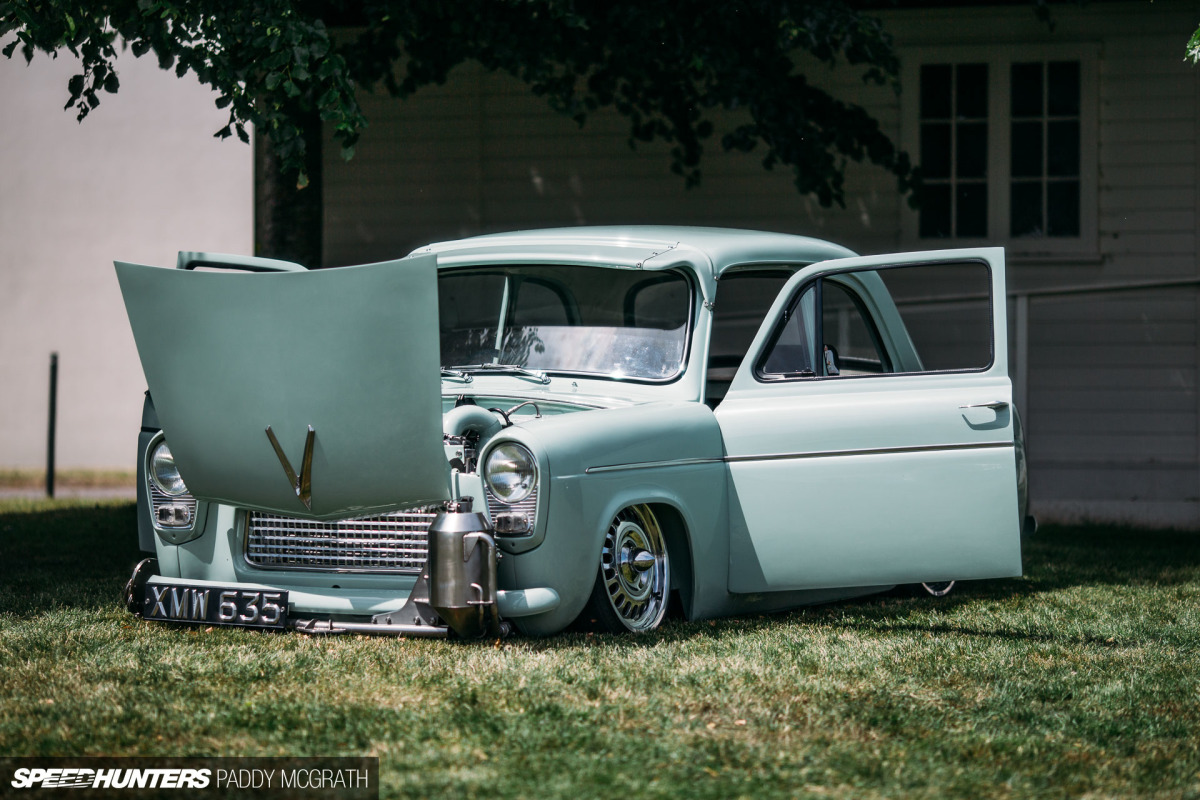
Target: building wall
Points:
(481, 154)
(1108, 381)
(1111, 404)
(138, 180)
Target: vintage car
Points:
(625, 420)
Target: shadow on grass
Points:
(1056, 558)
(71, 556)
(993, 634)
(79, 556)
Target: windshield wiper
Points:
(453, 373)
(513, 369)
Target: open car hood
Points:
(350, 352)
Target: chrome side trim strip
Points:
(687, 462)
(877, 451)
(679, 462)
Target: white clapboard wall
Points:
(1108, 380)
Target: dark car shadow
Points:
(1056, 558)
(78, 556)
(81, 556)
(1059, 557)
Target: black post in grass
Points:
(51, 425)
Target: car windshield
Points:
(593, 320)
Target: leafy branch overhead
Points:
(685, 73)
(270, 64)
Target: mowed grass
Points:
(68, 478)
(1078, 680)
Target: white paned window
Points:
(1006, 141)
(1044, 168)
(953, 151)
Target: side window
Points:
(894, 320)
(743, 300)
(848, 336)
(793, 354)
(946, 312)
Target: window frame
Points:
(762, 377)
(1000, 59)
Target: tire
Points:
(633, 579)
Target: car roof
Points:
(639, 245)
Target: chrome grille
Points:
(395, 542)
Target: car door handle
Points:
(994, 404)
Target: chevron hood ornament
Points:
(302, 484)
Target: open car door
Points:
(869, 429)
(350, 354)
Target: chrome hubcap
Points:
(939, 588)
(634, 568)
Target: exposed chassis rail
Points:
(330, 627)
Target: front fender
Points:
(594, 464)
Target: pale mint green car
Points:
(712, 421)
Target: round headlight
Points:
(164, 473)
(511, 473)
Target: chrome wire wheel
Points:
(635, 572)
(938, 588)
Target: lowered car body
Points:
(731, 421)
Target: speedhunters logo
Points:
(80, 778)
(77, 778)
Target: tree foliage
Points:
(673, 69)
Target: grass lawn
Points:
(1078, 680)
(68, 478)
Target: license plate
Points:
(215, 605)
